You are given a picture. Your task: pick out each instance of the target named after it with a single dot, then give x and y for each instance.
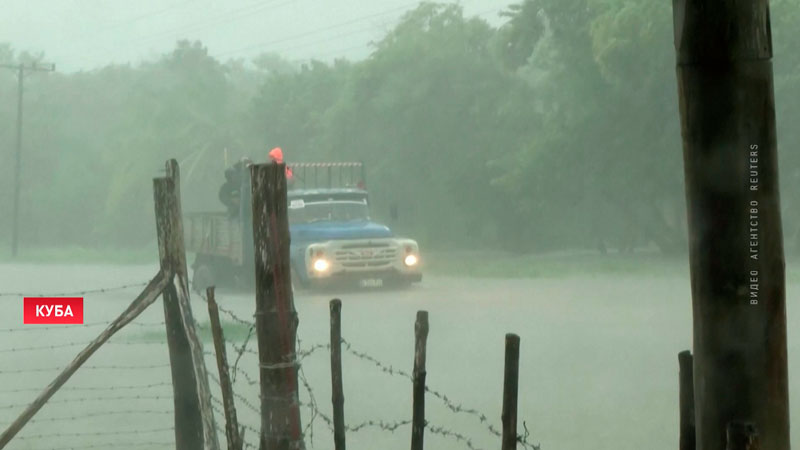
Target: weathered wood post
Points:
(510, 390)
(724, 69)
(742, 436)
(418, 409)
(276, 317)
(336, 374)
(231, 422)
(194, 420)
(686, 401)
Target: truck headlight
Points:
(321, 265)
(411, 260)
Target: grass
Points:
(233, 332)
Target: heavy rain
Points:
(526, 208)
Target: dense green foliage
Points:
(557, 130)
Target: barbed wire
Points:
(229, 313)
(97, 367)
(101, 414)
(118, 444)
(94, 433)
(34, 348)
(455, 408)
(91, 388)
(240, 352)
(386, 368)
(73, 327)
(94, 399)
(74, 293)
(242, 427)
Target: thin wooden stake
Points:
(418, 409)
(336, 374)
(686, 401)
(142, 301)
(231, 422)
(510, 390)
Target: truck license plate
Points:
(371, 282)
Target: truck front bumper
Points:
(383, 278)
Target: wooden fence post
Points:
(276, 317)
(418, 409)
(194, 419)
(142, 301)
(336, 375)
(231, 423)
(510, 390)
(686, 401)
(725, 85)
(742, 436)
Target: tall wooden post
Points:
(337, 388)
(725, 86)
(276, 317)
(510, 390)
(420, 355)
(194, 420)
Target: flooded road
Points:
(598, 359)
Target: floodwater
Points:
(598, 360)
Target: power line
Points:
(406, 6)
(230, 16)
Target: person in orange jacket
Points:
(276, 155)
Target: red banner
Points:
(53, 310)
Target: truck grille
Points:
(366, 256)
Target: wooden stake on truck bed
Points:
(725, 85)
(276, 317)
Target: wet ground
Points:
(598, 360)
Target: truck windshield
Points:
(332, 211)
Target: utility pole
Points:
(21, 69)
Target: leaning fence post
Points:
(686, 400)
(742, 436)
(276, 317)
(418, 408)
(336, 374)
(194, 420)
(231, 423)
(510, 390)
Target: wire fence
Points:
(121, 398)
(315, 412)
(126, 392)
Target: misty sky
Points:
(85, 34)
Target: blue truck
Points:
(334, 242)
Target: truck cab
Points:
(334, 241)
